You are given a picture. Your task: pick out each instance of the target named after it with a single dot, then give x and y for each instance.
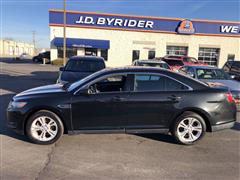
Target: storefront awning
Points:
(85, 43)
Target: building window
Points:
(209, 56)
(69, 52)
(231, 57)
(90, 51)
(177, 50)
(104, 54)
(151, 54)
(135, 54)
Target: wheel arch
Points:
(200, 112)
(44, 108)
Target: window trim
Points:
(160, 74)
(131, 78)
(101, 78)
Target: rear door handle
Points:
(174, 98)
(118, 99)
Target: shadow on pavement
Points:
(15, 61)
(159, 137)
(11, 84)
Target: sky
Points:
(18, 18)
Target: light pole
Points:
(64, 33)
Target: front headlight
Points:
(17, 105)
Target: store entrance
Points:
(90, 51)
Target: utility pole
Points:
(64, 33)
(34, 41)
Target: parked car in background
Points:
(233, 69)
(151, 63)
(123, 100)
(41, 56)
(178, 61)
(24, 56)
(214, 77)
(79, 67)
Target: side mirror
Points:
(61, 68)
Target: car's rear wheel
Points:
(44, 127)
(189, 128)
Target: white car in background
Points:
(24, 56)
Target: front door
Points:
(104, 108)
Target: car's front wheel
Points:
(189, 128)
(44, 127)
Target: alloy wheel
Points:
(189, 130)
(44, 128)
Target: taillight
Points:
(229, 97)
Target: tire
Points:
(185, 134)
(44, 127)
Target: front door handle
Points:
(174, 98)
(118, 99)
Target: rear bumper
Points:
(227, 125)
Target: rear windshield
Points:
(160, 65)
(172, 62)
(84, 65)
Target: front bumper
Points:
(15, 121)
(227, 125)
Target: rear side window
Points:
(150, 82)
(84, 66)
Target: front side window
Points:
(151, 82)
(115, 83)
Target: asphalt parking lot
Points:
(109, 156)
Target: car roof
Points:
(150, 61)
(90, 58)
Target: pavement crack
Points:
(48, 161)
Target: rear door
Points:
(154, 101)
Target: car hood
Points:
(232, 84)
(68, 76)
(55, 88)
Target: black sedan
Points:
(123, 100)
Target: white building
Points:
(10, 48)
(120, 39)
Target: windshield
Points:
(172, 62)
(83, 81)
(212, 74)
(84, 65)
(160, 65)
